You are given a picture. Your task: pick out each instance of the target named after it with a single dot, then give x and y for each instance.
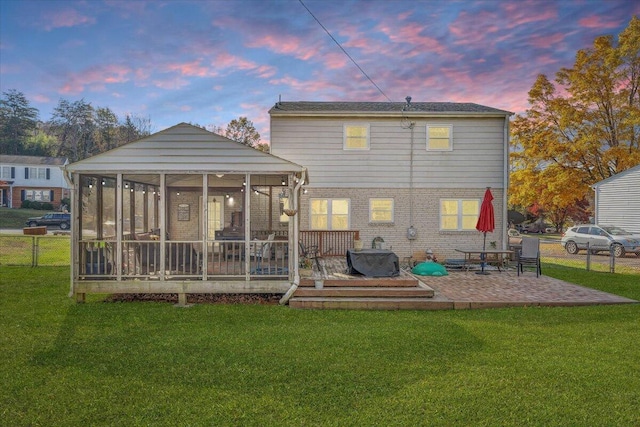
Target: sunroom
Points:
(184, 211)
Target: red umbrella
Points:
(486, 221)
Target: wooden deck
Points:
(344, 291)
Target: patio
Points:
(458, 291)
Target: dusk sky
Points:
(208, 62)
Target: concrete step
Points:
(361, 291)
(338, 303)
(369, 282)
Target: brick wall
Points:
(426, 219)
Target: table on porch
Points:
(488, 256)
(373, 263)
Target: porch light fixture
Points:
(305, 191)
(126, 185)
(91, 184)
(284, 181)
(177, 193)
(227, 195)
(219, 175)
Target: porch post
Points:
(163, 226)
(203, 225)
(247, 226)
(119, 227)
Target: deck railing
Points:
(330, 242)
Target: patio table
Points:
(488, 256)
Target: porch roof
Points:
(185, 148)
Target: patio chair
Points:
(313, 254)
(529, 255)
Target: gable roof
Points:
(32, 160)
(185, 148)
(617, 176)
(384, 109)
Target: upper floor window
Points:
(356, 137)
(459, 214)
(380, 210)
(7, 172)
(439, 137)
(329, 214)
(36, 173)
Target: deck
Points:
(458, 291)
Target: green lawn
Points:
(154, 364)
(16, 218)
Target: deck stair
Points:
(402, 293)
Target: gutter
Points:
(296, 250)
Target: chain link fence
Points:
(33, 251)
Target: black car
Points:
(62, 220)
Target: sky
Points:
(209, 62)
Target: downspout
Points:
(505, 191)
(296, 252)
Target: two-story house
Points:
(412, 175)
(32, 178)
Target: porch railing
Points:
(330, 242)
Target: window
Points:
(439, 138)
(36, 173)
(380, 210)
(459, 214)
(38, 195)
(356, 137)
(329, 214)
(6, 172)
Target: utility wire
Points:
(345, 52)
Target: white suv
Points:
(600, 238)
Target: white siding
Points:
(618, 200)
(477, 159)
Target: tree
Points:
(18, 121)
(74, 125)
(242, 130)
(581, 129)
(106, 136)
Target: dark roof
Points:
(382, 107)
(6, 159)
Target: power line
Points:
(345, 52)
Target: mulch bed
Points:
(267, 299)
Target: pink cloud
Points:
(598, 22)
(544, 41)
(409, 33)
(283, 44)
(96, 78)
(524, 12)
(67, 18)
(192, 69)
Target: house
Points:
(184, 211)
(32, 178)
(617, 200)
(408, 175)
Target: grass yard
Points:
(16, 218)
(140, 364)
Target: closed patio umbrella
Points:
(486, 221)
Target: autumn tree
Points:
(242, 130)
(18, 121)
(580, 129)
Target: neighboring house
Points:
(617, 200)
(32, 178)
(412, 174)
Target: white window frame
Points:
(6, 172)
(436, 125)
(37, 195)
(329, 212)
(459, 214)
(391, 211)
(345, 136)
